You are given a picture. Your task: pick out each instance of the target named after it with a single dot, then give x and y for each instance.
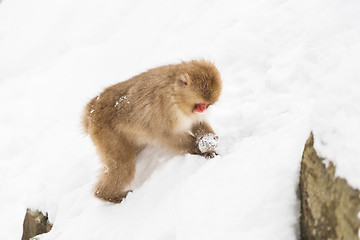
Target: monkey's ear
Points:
(183, 79)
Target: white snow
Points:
(122, 98)
(207, 143)
(288, 67)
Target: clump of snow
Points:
(208, 143)
(122, 98)
(288, 68)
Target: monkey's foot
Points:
(208, 143)
(113, 199)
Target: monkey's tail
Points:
(86, 118)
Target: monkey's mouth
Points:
(200, 107)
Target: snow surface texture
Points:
(288, 67)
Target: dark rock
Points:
(35, 223)
(329, 206)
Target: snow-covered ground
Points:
(288, 67)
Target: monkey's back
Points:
(140, 105)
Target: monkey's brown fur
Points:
(155, 107)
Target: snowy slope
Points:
(288, 67)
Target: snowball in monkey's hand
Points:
(208, 143)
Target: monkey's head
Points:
(198, 86)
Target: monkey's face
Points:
(199, 88)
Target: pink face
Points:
(200, 107)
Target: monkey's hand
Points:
(207, 144)
(209, 155)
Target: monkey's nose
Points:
(201, 107)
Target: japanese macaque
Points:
(163, 106)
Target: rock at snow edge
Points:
(35, 223)
(329, 206)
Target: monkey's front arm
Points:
(206, 139)
(202, 141)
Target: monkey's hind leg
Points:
(118, 155)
